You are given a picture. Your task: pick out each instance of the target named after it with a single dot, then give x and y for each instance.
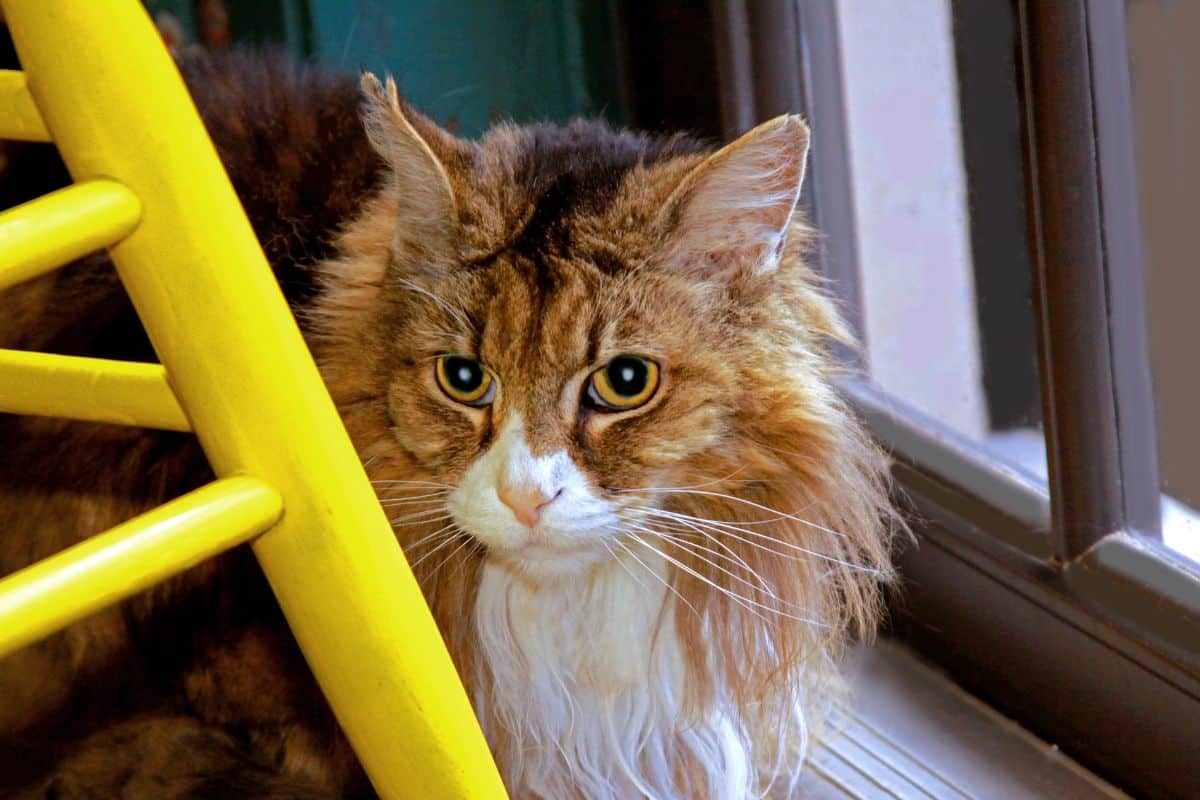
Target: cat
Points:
(589, 373)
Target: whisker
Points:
(733, 530)
(466, 540)
(475, 546)
(451, 536)
(683, 526)
(745, 602)
(763, 586)
(659, 578)
(624, 566)
(734, 556)
(425, 521)
(426, 490)
(392, 481)
(744, 501)
(741, 524)
(405, 492)
(442, 531)
(741, 601)
(804, 457)
(424, 499)
(728, 477)
(421, 515)
(692, 546)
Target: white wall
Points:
(910, 204)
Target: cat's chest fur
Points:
(587, 675)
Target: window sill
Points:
(910, 732)
(1063, 649)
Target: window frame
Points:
(1089, 299)
(1041, 599)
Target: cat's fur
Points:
(636, 651)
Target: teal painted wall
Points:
(465, 62)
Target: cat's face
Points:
(558, 398)
(569, 313)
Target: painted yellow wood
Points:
(106, 86)
(94, 389)
(111, 566)
(58, 228)
(19, 117)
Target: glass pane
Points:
(930, 90)
(1165, 72)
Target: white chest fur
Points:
(585, 682)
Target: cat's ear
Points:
(416, 149)
(729, 216)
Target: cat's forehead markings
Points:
(607, 262)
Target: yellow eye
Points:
(623, 384)
(465, 380)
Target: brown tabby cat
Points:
(588, 372)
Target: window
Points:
(934, 184)
(939, 279)
(1006, 239)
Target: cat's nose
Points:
(526, 501)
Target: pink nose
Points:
(526, 502)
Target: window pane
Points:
(1165, 73)
(934, 153)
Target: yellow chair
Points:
(149, 186)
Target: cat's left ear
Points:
(729, 216)
(417, 151)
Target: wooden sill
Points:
(910, 732)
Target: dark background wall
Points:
(467, 63)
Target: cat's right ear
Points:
(731, 215)
(426, 196)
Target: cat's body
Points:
(650, 599)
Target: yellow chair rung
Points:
(62, 226)
(134, 556)
(19, 116)
(94, 389)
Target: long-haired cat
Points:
(588, 372)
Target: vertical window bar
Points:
(1126, 267)
(1074, 274)
(775, 54)
(735, 74)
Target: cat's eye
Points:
(465, 380)
(623, 384)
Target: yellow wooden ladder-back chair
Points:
(98, 82)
